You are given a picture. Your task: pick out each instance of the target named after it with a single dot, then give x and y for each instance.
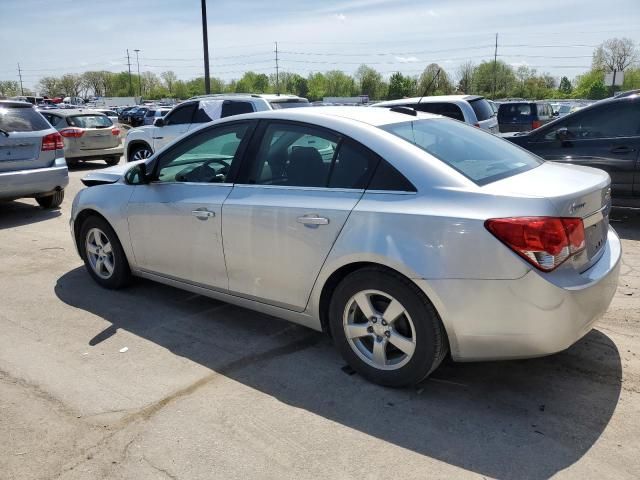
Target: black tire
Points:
(121, 275)
(112, 160)
(431, 344)
(72, 162)
(141, 147)
(51, 201)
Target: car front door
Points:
(605, 137)
(176, 123)
(175, 220)
(296, 189)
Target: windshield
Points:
(479, 156)
(90, 121)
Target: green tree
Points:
(565, 86)
(434, 80)
(9, 88)
(631, 79)
(590, 85)
(169, 78)
(371, 83)
(487, 73)
(339, 84)
(317, 84)
(401, 86)
(465, 77)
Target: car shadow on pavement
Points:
(89, 166)
(626, 222)
(515, 419)
(16, 214)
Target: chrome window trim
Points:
(296, 187)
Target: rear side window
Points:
(231, 108)
(353, 166)
(482, 109)
(89, 121)
(22, 119)
(388, 178)
(450, 110)
(479, 156)
(181, 115)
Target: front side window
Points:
(610, 121)
(181, 115)
(294, 155)
(479, 156)
(204, 158)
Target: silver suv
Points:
(471, 109)
(32, 162)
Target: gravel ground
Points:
(207, 390)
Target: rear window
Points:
(450, 110)
(230, 108)
(514, 110)
(89, 121)
(479, 156)
(22, 120)
(482, 108)
(298, 102)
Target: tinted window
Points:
(231, 107)
(89, 121)
(482, 108)
(294, 155)
(617, 120)
(181, 115)
(22, 120)
(387, 177)
(150, 113)
(201, 116)
(353, 166)
(480, 156)
(450, 110)
(298, 102)
(514, 110)
(205, 158)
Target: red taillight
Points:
(476, 125)
(53, 141)
(535, 124)
(545, 242)
(72, 132)
(115, 131)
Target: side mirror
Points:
(159, 122)
(562, 134)
(138, 175)
(556, 114)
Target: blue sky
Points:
(555, 36)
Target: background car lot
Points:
(206, 384)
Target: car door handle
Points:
(622, 150)
(203, 214)
(157, 138)
(313, 220)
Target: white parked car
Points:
(142, 142)
(404, 235)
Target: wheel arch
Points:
(134, 144)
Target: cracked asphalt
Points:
(208, 390)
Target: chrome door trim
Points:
(292, 187)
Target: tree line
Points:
(490, 79)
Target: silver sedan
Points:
(403, 235)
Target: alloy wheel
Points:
(100, 253)
(379, 330)
(142, 154)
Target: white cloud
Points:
(407, 59)
(431, 13)
(340, 17)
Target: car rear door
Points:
(176, 123)
(21, 147)
(606, 136)
(175, 221)
(296, 189)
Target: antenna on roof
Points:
(435, 77)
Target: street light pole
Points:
(139, 78)
(205, 43)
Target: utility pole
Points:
(20, 75)
(495, 68)
(205, 44)
(277, 72)
(139, 78)
(129, 65)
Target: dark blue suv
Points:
(522, 116)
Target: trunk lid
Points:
(97, 139)
(22, 151)
(574, 191)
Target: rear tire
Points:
(51, 201)
(102, 253)
(72, 162)
(112, 160)
(401, 342)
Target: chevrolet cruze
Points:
(403, 235)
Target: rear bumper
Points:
(526, 317)
(514, 127)
(34, 182)
(93, 154)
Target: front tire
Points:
(103, 255)
(51, 201)
(386, 328)
(139, 152)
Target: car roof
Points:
(230, 96)
(430, 99)
(15, 104)
(371, 116)
(70, 112)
